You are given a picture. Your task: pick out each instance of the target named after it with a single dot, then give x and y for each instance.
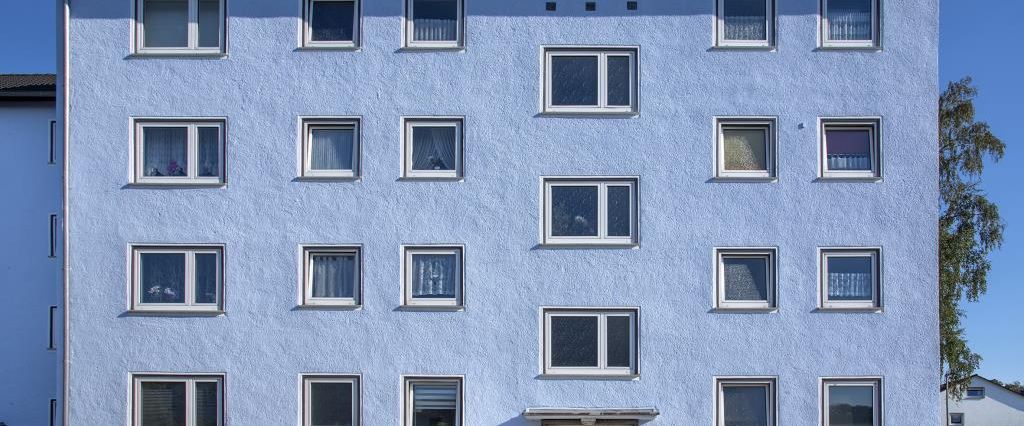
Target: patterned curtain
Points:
(433, 148)
(433, 275)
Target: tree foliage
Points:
(969, 224)
(1012, 387)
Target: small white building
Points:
(986, 404)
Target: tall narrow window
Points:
(850, 23)
(330, 400)
(53, 143)
(433, 148)
(54, 230)
(51, 343)
(745, 23)
(332, 275)
(53, 412)
(433, 276)
(852, 401)
(590, 342)
(745, 401)
(180, 26)
(590, 212)
(433, 401)
(850, 149)
(746, 279)
(850, 279)
(590, 81)
(330, 148)
(331, 23)
(178, 400)
(179, 152)
(746, 148)
(177, 278)
(434, 23)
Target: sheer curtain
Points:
(209, 151)
(745, 149)
(849, 19)
(745, 20)
(163, 277)
(434, 275)
(850, 278)
(333, 276)
(332, 149)
(435, 20)
(433, 148)
(165, 23)
(165, 151)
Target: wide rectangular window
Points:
(177, 278)
(746, 279)
(330, 148)
(178, 400)
(331, 23)
(850, 23)
(180, 26)
(590, 211)
(179, 152)
(745, 401)
(850, 279)
(331, 275)
(852, 401)
(432, 148)
(590, 342)
(590, 80)
(432, 401)
(745, 23)
(850, 149)
(434, 23)
(975, 393)
(745, 148)
(432, 276)
(329, 400)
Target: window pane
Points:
(206, 278)
(209, 23)
(850, 278)
(850, 20)
(332, 21)
(434, 404)
(332, 149)
(745, 405)
(574, 341)
(574, 211)
(574, 80)
(163, 403)
(619, 343)
(746, 278)
(330, 404)
(851, 405)
(162, 277)
(434, 276)
(956, 418)
(618, 81)
(619, 210)
(434, 148)
(165, 23)
(435, 20)
(745, 19)
(165, 151)
(209, 151)
(207, 400)
(745, 149)
(848, 149)
(333, 275)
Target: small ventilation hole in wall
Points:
(631, 5)
(591, 6)
(551, 6)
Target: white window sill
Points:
(588, 113)
(433, 48)
(324, 306)
(567, 376)
(315, 178)
(850, 178)
(350, 47)
(432, 178)
(852, 47)
(761, 179)
(181, 54)
(851, 309)
(590, 244)
(767, 47)
(175, 312)
(745, 310)
(432, 308)
(177, 184)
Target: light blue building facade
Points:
(430, 212)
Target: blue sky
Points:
(979, 38)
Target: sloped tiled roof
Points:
(28, 85)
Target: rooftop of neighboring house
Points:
(35, 87)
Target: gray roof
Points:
(28, 86)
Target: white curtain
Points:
(209, 151)
(849, 162)
(165, 23)
(849, 19)
(433, 275)
(332, 149)
(433, 148)
(333, 276)
(206, 278)
(165, 151)
(745, 20)
(849, 285)
(435, 20)
(434, 397)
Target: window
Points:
(53, 143)
(432, 148)
(975, 393)
(331, 23)
(590, 81)
(180, 26)
(852, 402)
(850, 279)
(51, 344)
(434, 24)
(330, 148)
(330, 400)
(179, 152)
(850, 23)
(745, 148)
(332, 276)
(590, 212)
(590, 342)
(746, 279)
(432, 276)
(178, 400)
(850, 149)
(745, 23)
(956, 419)
(54, 225)
(177, 278)
(747, 401)
(433, 401)
(53, 412)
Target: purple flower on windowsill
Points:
(173, 169)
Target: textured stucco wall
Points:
(31, 281)
(999, 407)
(263, 343)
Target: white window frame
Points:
(768, 382)
(308, 252)
(874, 381)
(826, 36)
(602, 369)
(409, 301)
(193, 33)
(307, 22)
(309, 124)
(190, 253)
(974, 388)
(721, 41)
(408, 27)
(602, 54)
(602, 238)
(309, 379)
(190, 381)
(407, 395)
(876, 278)
(768, 253)
(962, 421)
(191, 151)
(769, 127)
(873, 125)
(410, 123)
